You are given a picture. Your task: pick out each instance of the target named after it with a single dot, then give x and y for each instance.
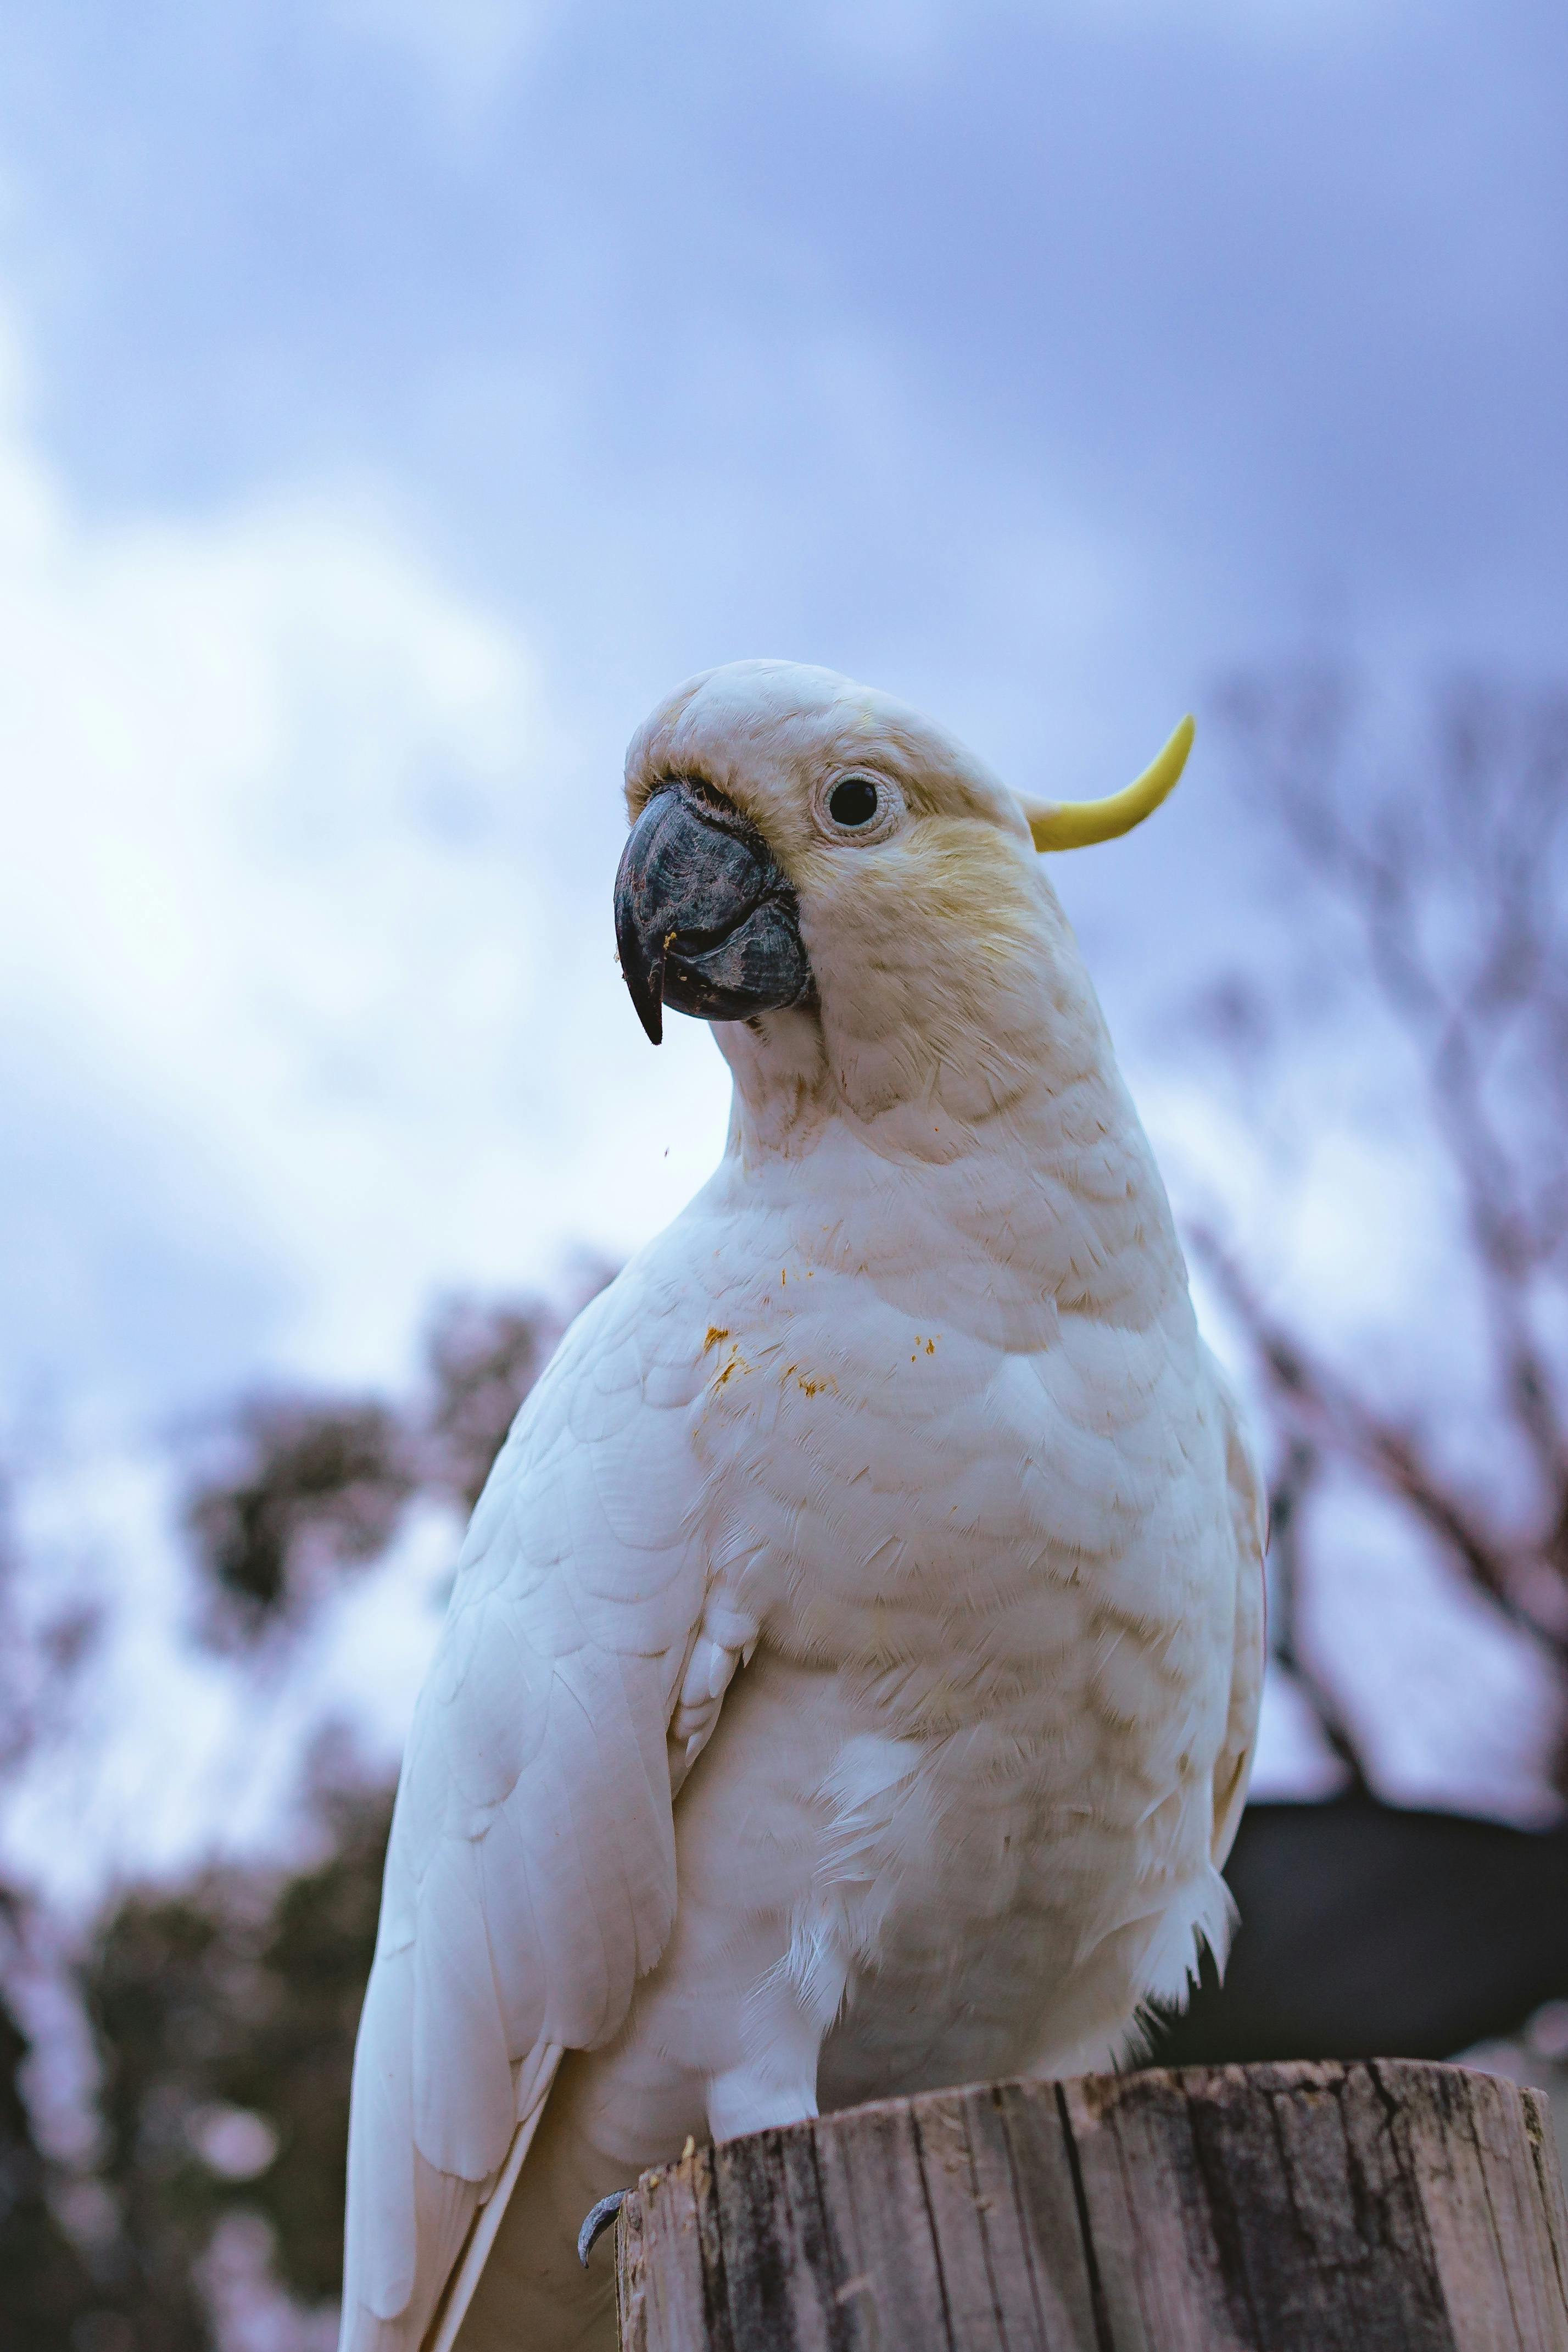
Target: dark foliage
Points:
(304, 1487)
(158, 1986)
(46, 2287)
(308, 1982)
(225, 2009)
(1370, 1932)
(234, 2002)
(313, 1485)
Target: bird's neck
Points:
(1022, 1145)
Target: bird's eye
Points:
(853, 802)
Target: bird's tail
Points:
(442, 2333)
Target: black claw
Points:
(598, 2221)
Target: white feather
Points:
(530, 1878)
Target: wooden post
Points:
(1383, 2205)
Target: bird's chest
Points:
(982, 1540)
(999, 1551)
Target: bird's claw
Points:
(598, 2220)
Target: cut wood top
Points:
(1344, 2208)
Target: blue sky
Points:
(396, 401)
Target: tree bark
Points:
(1302, 2207)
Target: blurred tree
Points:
(227, 2014)
(225, 2009)
(160, 1986)
(46, 2285)
(297, 1487)
(291, 2066)
(308, 1487)
(1439, 865)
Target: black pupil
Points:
(853, 802)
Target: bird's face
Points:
(804, 847)
(798, 841)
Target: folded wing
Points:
(530, 1878)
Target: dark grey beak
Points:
(704, 918)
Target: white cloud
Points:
(920, 34)
(302, 898)
(466, 50)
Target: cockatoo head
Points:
(804, 845)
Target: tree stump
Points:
(1303, 2208)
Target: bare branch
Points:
(1286, 1499)
(1445, 867)
(1327, 1410)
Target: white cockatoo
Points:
(853, 1667)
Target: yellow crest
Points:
(1076, 825)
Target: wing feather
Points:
(530, 1877)
(1249, 1517)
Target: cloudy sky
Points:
(395, 399)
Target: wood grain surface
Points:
(1306, 2208)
